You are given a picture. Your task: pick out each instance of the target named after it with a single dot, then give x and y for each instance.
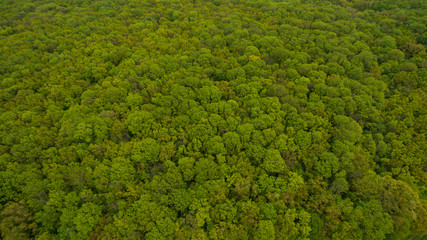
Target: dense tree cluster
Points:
(192, 119)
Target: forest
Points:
(213, 119)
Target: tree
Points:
(139, 122)
(265, 230)
(327, 164)
(346, 129)
(232, 142)
(215, 146)
(191, 119)
(245, 131)
(17, 222)
(122, 171)
(371, 217)
(86, 219)
(206, 169)
(186, 166)
(273, 162)
(145, 151)
(303, 138)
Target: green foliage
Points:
(303, 138)
(373, 220)
(327, 164)
(213, 119)
(265, 230)
(273, 162)
(147, 151)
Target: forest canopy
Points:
(219, 119)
